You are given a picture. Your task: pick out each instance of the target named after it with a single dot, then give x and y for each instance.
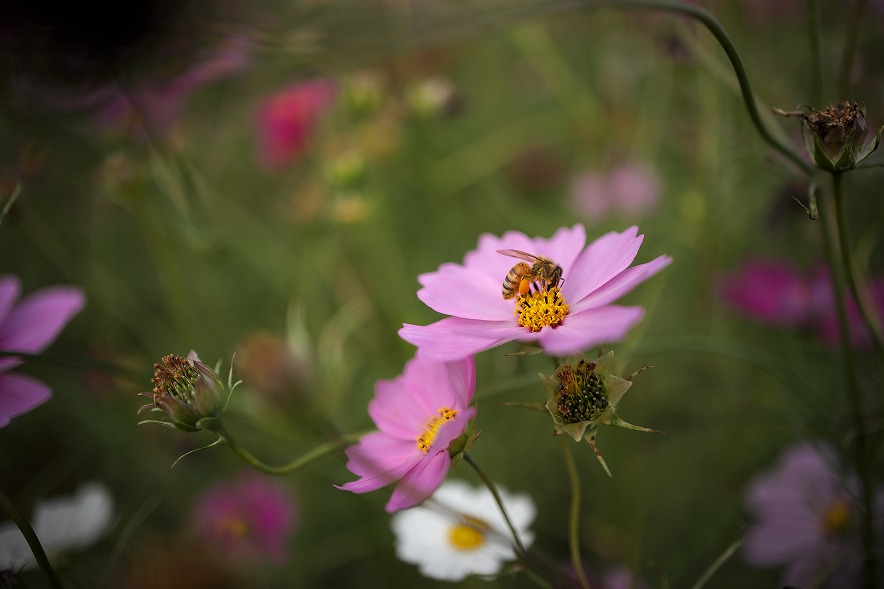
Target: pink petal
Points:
(589, 328)
(39, 317)
(10, 287)
(621, 284)
(19, 394)
(781, 541)
(420, 482)
(604, 259)
(377, 454)
(465, 292)
(454, 338)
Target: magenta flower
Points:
(805, 519)
(29, 327)
(776, 293)
(286, 120)
(419, 414)
(564, 318)
(629, 189)
(249, 519)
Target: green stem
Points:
(724, 40)
(10, 201)
(574, 514)
(520, 548)
(312, 456)
(31, 537)
(861, 455)
(847, 262)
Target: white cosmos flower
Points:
(62, 524)
(460, 531)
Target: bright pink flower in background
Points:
(480, 318)
(630, 189)
(806, 519)
(286, 120)
(776, 293)
(419, 414)
(250, 519)
(29, 327)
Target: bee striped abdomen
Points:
(515, 278)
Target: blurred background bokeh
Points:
(269, 179)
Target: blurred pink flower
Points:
(249, 519)
(563, 321)
(805, 519)
(29, 327)
(286, 120)
(419, 414)
(775, 293)
(630, 189)
(152, 105)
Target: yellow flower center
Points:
(538, 309)
(432, 426)
(469, 533)
(836, 518)
(232, 527)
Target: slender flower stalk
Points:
(491, 487)
(33, 542)
(330, 447)
(844, 244)
(574, 514)
(861, 450)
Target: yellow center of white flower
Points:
(432, 426)
(469, 533)
(539, 309)
(836, 517)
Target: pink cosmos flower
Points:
(29, 327)
(286, 120)
(629, 189)
(564, 319)
(249, 519)
(419, 414)
(806, 519)
(776, 293)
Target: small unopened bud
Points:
(835, 137)
(188, 391)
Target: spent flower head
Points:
(835, 137)
(582, 395)
(556, 293)
(421, 415)
(188, 392)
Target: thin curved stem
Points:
(816, 53)
(520, 548)
(312, 456)
(574, 513)
(31, 537)
(847, 262)
(854, 398)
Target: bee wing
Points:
(519, 254)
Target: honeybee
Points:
(518, 280)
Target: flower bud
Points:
(835, 137)
(188, 391)
(583, 395)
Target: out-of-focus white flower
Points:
(62, 524)
(460, 531)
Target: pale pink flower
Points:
(566, 319)
(287, 118)
(419, 414)
(250, 519)
(806, 519)
(29, 327)
(629, 189)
